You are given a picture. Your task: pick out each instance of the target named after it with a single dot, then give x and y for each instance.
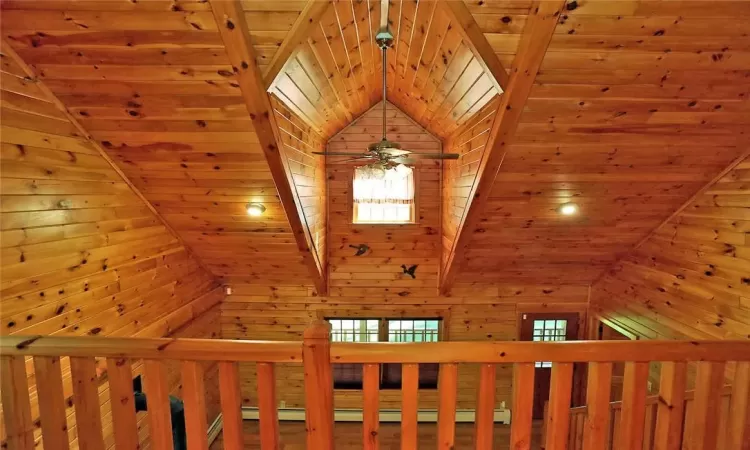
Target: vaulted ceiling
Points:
(433, 72)
(636, 105)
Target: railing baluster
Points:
(194, 396)
(49, 388)
(485, 412)
(739, 417)
(124, 422)
(596, 423)
(708, 384)
(86, 401)
(523, 406)
(409, 405)
(14, 390)
(268, 414)
(670, 410)
(558, 418)
(157, 395)
(447, 391)
(633, 406)
(371, 407)
(231, 405)
(316, 358)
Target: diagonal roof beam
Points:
(235, 33)
(305, 23)
(535, 39)
(475, 38)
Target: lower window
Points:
(349, 376)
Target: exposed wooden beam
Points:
(234, 31)
(535, 39)
(474, 37)
(308, 19)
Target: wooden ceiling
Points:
(153, 84)
(637, 104)
(433, 73)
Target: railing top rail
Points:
(437, 352)
(526, 352)
(148, 348)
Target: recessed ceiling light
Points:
(568, 209)
(255, 209)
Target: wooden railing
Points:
(578, 417)
(317, 355)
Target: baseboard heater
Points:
(386, 415)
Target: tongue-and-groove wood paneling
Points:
(637, 105)
(82, 254)
(432, 74)
(469, 141)
(152, 83)
(691, 278)
(390, 245)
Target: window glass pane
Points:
(549, 330)
(388, 199)
(413, 330)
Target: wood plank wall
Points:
(307, 171)
(390, 246)
(374, 285)
(459, 176)
(472, 313)
(689, 280)
(82, 254)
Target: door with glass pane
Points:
(544, 327)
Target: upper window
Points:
(349, 376)
(383, 196)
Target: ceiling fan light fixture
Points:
(255, 209)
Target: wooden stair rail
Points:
(637, 416)
(610, 418)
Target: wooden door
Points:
(546, 327)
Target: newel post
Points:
(316, 358)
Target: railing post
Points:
(316, 358)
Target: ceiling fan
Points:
(386, 154)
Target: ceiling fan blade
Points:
(342, 154)
(395, 152)
(434, 155)
(351, 159)
(407, 161)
